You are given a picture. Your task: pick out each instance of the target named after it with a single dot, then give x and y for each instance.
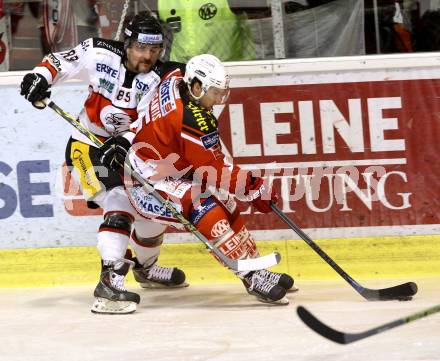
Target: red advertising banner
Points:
(344, 154)
(359, 154)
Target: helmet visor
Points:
(144, 38)
(219, 95)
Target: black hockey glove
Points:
(35, 87)
(114, 151)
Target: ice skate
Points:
(156, 276)
(111, 296)
(264, 290)
(280, 279)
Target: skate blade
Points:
(293, 289)
(281, 302)
(157, 285)
(108, 307)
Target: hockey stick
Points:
(251, 264)
(344, 338)
(404, 291)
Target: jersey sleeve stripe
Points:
(192, 131)
(191, 139)
(50, 67)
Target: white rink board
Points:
(40, 135)
(28, 135)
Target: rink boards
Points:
(407, 258)
(351, 142)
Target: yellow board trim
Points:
(362, 258)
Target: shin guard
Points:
(226, 229)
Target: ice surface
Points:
(216, 322)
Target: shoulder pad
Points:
(199, 119)
(114, 46)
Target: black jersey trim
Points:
(114, 46)
(199, 118)
(169, 66)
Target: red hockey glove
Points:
(261, 195)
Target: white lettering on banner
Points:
(382, 193)
(272, 129)
(338, 185)
(239, 146)
(331, 119)
(378, 124)
(307, 124)
(310, 194)
(348, 184)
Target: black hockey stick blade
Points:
(344, 338)
(401, 292)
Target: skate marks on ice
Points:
(219, 323)
(79, 298)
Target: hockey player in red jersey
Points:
(177, 148)
(119, 75)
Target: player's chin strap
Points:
(251, 264)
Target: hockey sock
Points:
(146, 249)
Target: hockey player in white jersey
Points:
(119, 75)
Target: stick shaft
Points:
(344, 337)
(315, 247)
(396, 292)
(236, 265)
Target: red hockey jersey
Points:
(177, 138)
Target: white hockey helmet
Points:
(209, 70)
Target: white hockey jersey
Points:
(114, 91)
